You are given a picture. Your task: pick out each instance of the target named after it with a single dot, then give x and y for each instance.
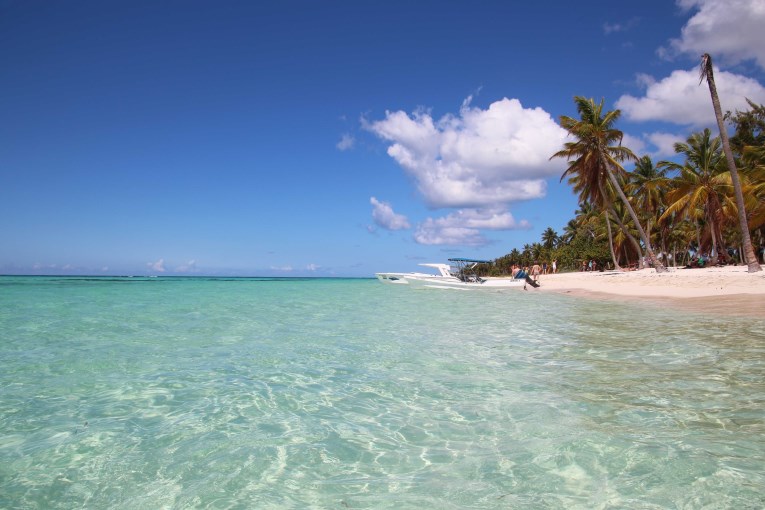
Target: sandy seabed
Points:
(729, 290)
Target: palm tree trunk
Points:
(647, 242)
(629, 236)
(611, 243)
(707, 72)
(608, 206)
(674, 255)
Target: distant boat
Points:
(460, 275)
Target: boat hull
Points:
(446, 282)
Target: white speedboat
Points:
(459, 276)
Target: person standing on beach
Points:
(555, 266)
(535, 270)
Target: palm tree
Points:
(569, 231)
(536, 251)
(611, 243)
(702, 190)
(754, 191)
(625, 236)
(550, 238)
(708, 74)
(593, 158)
(648, 184)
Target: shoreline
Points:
(729, 290)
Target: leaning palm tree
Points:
(611, 243)
(601, 196)
(596, 155)
(708, 74)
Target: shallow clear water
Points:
(332, 393)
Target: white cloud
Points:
(730, 31)
(285, 269)
(430, 233)
(635, 144)
(313, 267)
(479, 158)
(188, 267)
(463, 227)
(346, 142)
(383, 216)
(664, 143)
(656, 145)
(609, 28)
(680, 99)
(158, 266)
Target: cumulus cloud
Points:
(463, 227)
(664, 143)
(680, 99)
(158, 266)
(730, 31)
(478, 158)
(346, 142)
(657, 144)
(636, 144)
(383, 216)
(430, 233)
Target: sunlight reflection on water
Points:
(348, 393)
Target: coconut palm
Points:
(595, 158)
(550, 238)
(708, 74)
(702, 190)
(614, 258)
(648, 186)
(604, 196)
(569, 231)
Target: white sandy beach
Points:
(729, 290)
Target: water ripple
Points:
(349, 394)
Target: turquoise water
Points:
(332, 393)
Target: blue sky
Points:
(303, 138)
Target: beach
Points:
(729, 290)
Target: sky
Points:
(337, 138)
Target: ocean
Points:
(132, 393)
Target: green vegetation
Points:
(677, 207)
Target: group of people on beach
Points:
(589, 265)
(535, 270)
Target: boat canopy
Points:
(471, 261)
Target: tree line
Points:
(710, 203)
